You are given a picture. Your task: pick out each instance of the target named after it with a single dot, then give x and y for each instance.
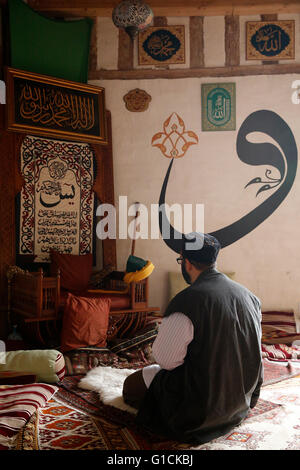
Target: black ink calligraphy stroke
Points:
(285, 161)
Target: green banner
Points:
(58, 48)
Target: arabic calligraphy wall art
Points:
(42, 105)
(284, 158)
(218, 106)
(56, 203)
(270, 40)
(162, 45)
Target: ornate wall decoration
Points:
(270, 40)
(283, 157)
(56, 204)
(160, 45)
(218, 106)
(52, 107)
(137, 100)
(174, 141)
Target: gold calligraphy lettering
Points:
(49, 107)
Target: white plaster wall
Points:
(214, 41)
(267, 260)
(107, 44)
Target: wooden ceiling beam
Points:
(92, 8)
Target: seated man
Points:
(208, 353)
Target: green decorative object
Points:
(135, 264)
(218, 106)
(50, 47)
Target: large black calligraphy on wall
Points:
(56, 204)
(284, 158)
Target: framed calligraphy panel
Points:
(48, 106)
(160, 45)
(270, 40)
(56, 205)
(218, 108)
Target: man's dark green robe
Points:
(220, 379)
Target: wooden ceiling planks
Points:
(104, 8)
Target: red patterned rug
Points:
(76, 419)
(79, 421)
(276, 371)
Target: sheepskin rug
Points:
(108, 382)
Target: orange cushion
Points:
(75, 270)
(118, 301)
(85, 322)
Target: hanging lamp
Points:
(133, 16)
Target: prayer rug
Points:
(279, 429)
(60, 426)
(76, 419)
(276, 371)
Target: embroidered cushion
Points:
(85, 322)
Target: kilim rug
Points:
(276, 371)
(273, 425)
(76, 419)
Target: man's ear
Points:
(188, 264)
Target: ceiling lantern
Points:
(133, 16)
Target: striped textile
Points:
(60, 366)
(279, 327)
(280, 352)
(282, 321)
(17, 405)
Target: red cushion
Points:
(75, 270)
(118, 301)
(85, 322)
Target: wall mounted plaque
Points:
(218, 106)
(270, 40)
(56, 204)
(42, 105)
(160, 45)
(137, 100)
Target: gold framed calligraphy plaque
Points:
(270, 40)
(162, 45)
(53, 107)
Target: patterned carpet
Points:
(68, 423)
(60, 426)
(75, 419)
